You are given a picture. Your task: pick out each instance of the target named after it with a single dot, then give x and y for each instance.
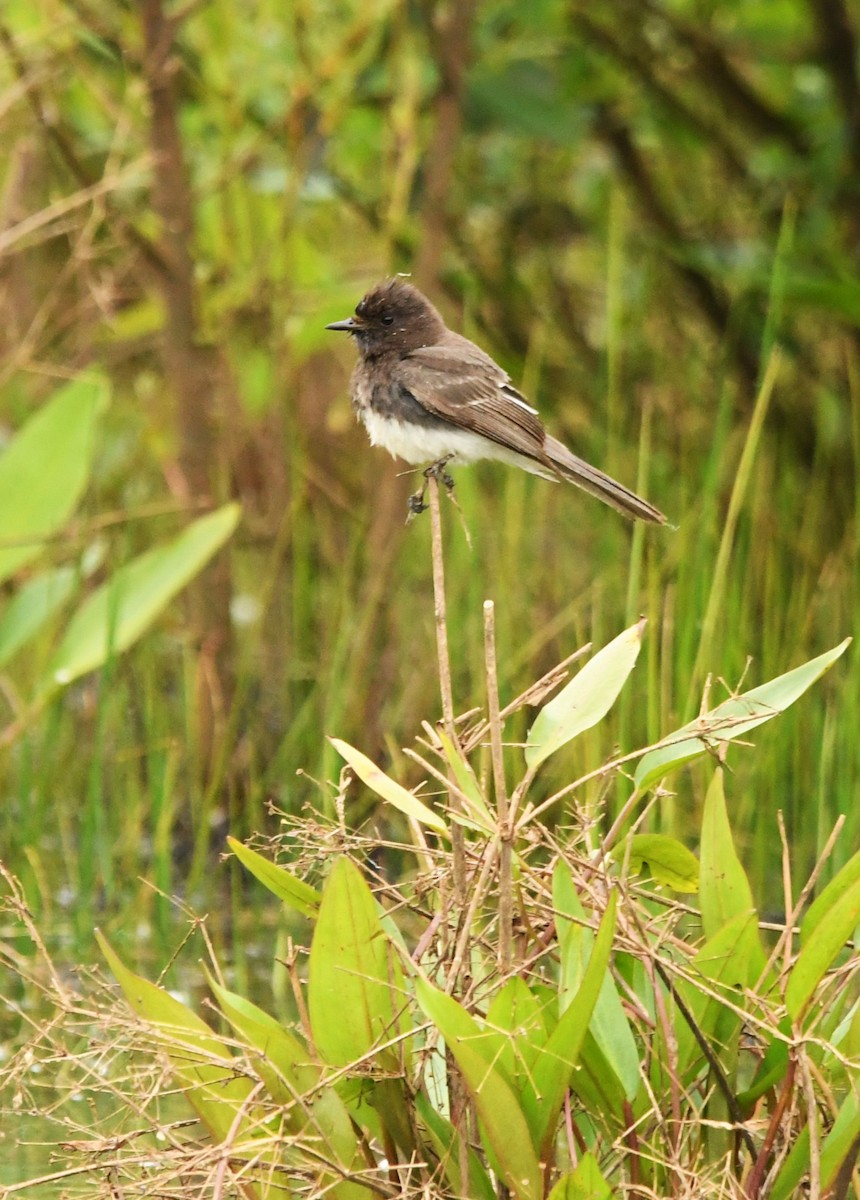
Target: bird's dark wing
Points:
(457, 381)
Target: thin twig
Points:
(505, 831)
(444, 662)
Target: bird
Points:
(429, 395)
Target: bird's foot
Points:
(417, 502)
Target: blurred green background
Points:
(632, 206)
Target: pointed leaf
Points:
(840, 1142)
(724, 888)
(120, 610)
(732, 719)
(356, 998)
(834, 930)
(32, 607)
(561, 1054)
(295, 893)
(44, 470)
(841, 882)
(586, 699)
(390, 791)
(310, 1105)
(199, 1059)
(609, 1024)
(504, 1124)
(467, 783)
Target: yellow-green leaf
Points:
(504, 1123)
(295, 893)
(732, 719)
(45, 468)
(127, 604)
(587, 698)
(393, 793)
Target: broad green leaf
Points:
(841, 882)
(126, 605)
(609, 1025)
(732, 719)
(356, 997)
(724, 888)
(32, 607)
(214, 1088)
(831, 933)
(669, 861)
(310, 1104)
(504, 1123)
(585, 1183)
(295, 893)
(586, 699)
(390, 791)
(560, 1056)
(44, 470)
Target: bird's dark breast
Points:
(393, 401)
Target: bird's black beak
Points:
(348, 325)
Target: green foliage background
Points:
(630, 206)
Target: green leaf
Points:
(504, 1123)
(393, 793)
(561, 1054)
(609, 1025)
(586, 699)
(841, 882)
(310, 1104)
(467, 783)
(295, 893)
(732, 719)
(585, 1183)
(32, 607)
(214, 1088)
(824, 944)
(123, 608)
(669, 861)
(44, 470)
(356, 997)
(724, 888)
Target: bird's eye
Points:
(388, 319)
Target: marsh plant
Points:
(515, 997)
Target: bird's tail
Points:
(575, 470)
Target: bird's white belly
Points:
(422, 444)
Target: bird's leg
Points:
(436, 470)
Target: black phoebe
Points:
(426, 393)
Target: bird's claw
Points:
(417, 503)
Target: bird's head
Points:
(394, 317)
